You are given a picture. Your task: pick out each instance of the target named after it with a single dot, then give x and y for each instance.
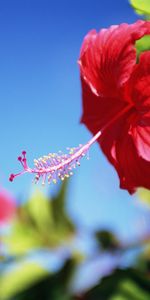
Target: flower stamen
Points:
(55, 166)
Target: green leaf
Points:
(131, 289)
(19, 278)
(126, 284)
(141, 7)
(144, 196)
(40, 212)
(119, 297)
(128, 289)
(22, 239)
(63, 224)
(40, 223)
(142, 45)
(32, 226)
(51, 287)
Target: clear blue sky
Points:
(40, 98)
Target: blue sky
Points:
(40, 98)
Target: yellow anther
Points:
(67, 175)
(71, 151)
(45, 157)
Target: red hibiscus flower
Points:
(116, 99)
(7, 207)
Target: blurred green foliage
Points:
(142, 45)
(43, 223)
(51, 287)
(19, 278)
(127, 284)
(141, 7)
(40, 222)
(144, 196)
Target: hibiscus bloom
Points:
(116, 99)
(116, 108)
(7, 207)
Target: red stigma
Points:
(11, 178)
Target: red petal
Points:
(111, 80)
(141, 138)
(133, 170)
(138, 89)
(118, 146)
(107, 58)
(98, 111)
